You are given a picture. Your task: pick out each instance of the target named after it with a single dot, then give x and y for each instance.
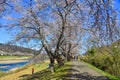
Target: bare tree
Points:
(48, 23)
(102, 24)
(60, 26)
(5, 7)
(2, 5)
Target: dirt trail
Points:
(81, 71)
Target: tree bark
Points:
(60, 61)
(51, 65)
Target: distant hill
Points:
(6, 49)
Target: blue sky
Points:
(5, 36)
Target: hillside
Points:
(6, 49)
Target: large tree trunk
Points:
(51, 65)
(60, 61)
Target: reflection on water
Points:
(7, 67)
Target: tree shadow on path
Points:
(46, 75)
(83, 76)
(75, 74)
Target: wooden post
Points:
(32, 70)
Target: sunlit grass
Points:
(102, 72)
(45, 74)
(26, 70)
(42, 72)
(1, 73)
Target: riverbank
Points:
(14, 57)
(12, 61)
(8, 63)
(26, 70)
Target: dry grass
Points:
(25, 71)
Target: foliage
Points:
(91, 52)
(108, 62)
(114, 61)
(102, 72)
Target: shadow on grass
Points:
(83, 76)
(36, 76)
(62, 73)
(47, 75)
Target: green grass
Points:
(45, 74)
(42, 72)
(102, 72)
(2, 73)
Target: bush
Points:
(105, 63)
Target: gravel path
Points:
(81, 71)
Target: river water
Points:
(7, 67)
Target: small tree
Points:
(92, 52)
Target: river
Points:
(9, 66)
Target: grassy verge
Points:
(2, 73)
(102, 72)
(42, 72)
(26, 70)
(46, 74)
